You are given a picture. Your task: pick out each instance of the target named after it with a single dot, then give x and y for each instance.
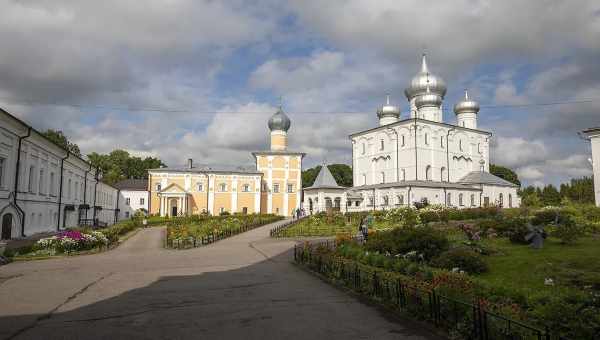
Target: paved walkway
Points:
(240, 287)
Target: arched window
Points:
(449, 199)
(158, 187)
(460, 145)
(443, 175)
(460, 199)
(400, 199)
(426, 139)
(510, 200)
(428, 172)
(364, 177)
(364, 148)
(479, 147)
(472, 200)
(381, 145)
(402, 140)
(403, 175)
(200, 187)
(382, 175)
(386, 200)
(500, 200)
(441, 142)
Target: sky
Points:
(179, 79)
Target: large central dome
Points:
(418, 85)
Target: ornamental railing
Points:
(278, 230)
(468, 320)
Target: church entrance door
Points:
(174, 211)
(6, 226)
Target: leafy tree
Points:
(342, 173)
(505, 173)
(119, 165)
(550, 195)
(530, 197)
(59, 138)
(579, 190)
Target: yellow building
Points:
(273, 187)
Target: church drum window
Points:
(381, 145)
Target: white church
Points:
(408, 160)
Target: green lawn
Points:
(524, 268)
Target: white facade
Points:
(54, 189)
(130, 201)
(594, 137)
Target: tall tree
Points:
(505, 173)
(119, 165)
(550, 196)
(342, 173)
(58, 137)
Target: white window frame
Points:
(246, 188)
(127, 201)
(31, 184)
(276, 187)
(290, 188)
(222, 187)
(142, 201)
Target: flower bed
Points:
(455, 301)
(71, 241)
(195, 231)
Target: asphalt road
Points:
(243, 287)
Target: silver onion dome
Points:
(279, 121)
(466, 105)
(388, 110)
(429, 99)
(420, 81)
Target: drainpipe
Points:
(416, 159)
(95, 194)
(117, 206)
(17, 180)
(60, 190)
(448, 153)
(85, 192)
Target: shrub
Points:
(516, 229)
(568, 231)
(462, 258)
(426, 241)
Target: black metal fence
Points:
(214, 236)
(277, 231)
(459, 318)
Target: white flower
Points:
(548, 282)
(455, 269)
